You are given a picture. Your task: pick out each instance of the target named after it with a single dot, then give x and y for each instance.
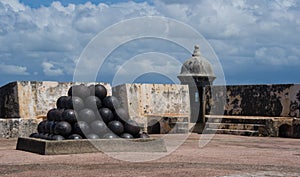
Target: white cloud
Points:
(14, 4)
(147, 63)
(13, 69)
(50, 70)
(242, 32)
(276, 56)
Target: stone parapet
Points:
(31, 99)
(163, 103)
(277, 100)
(18, 127)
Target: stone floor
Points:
(224, 155)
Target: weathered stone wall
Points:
(282, 100)
(147, 102)
(9, 100)
(28, 99)
(23, 104)
(159, 108)
(13, 128)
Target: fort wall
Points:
(278, 100)
(158, 108)
(23, 104)
(263, 110)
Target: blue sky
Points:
(39, 3)
(256, 41)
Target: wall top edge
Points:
(128, 84)
(288, 84)
(34, 82)
(147, 84)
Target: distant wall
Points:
(166, 103)
(280, 100)
(30, 99)
(159, 108)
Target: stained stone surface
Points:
(30, 99)
(17, 127)
(166, 103)
(282, 100)
(9, 106)
(269, 110)
(163, 108)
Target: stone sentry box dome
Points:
(197, 66)
(197, 72)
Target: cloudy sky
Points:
(256, 41)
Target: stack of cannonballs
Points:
(88, 113)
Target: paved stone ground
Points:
(224, 155)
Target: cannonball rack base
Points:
(50, 147)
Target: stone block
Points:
(276, 100)
(46, 147)
(13, 128)
(168, 125)
(144, 101)
(9, 101)
(30, 99)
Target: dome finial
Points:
(196, 51)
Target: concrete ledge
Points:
(46, 147)
(246, 117)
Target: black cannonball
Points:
(69, 115)
(106, 114)
(34, 135)
(58, 114)
(51, 114)
(98, 90)
(132, 127)
(61, 102)
(126, 136)
(41, 126)
(93, 102)
(81, 128)
(121, 115)
(52, 126)
(81, 91)
(75, 137)
(111, 102)
(46, 127)
(49, 137)
(92, 90)
(78, 103)
(58, 137)
(62, 128)
(99, 127)
(110, 135)
(87, 115)
(74, 102)
(38, 135)
(44, 135)
(68, 102)
(49, 126)
(92, 136)
(116, 127)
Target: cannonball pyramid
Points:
(88, 113)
